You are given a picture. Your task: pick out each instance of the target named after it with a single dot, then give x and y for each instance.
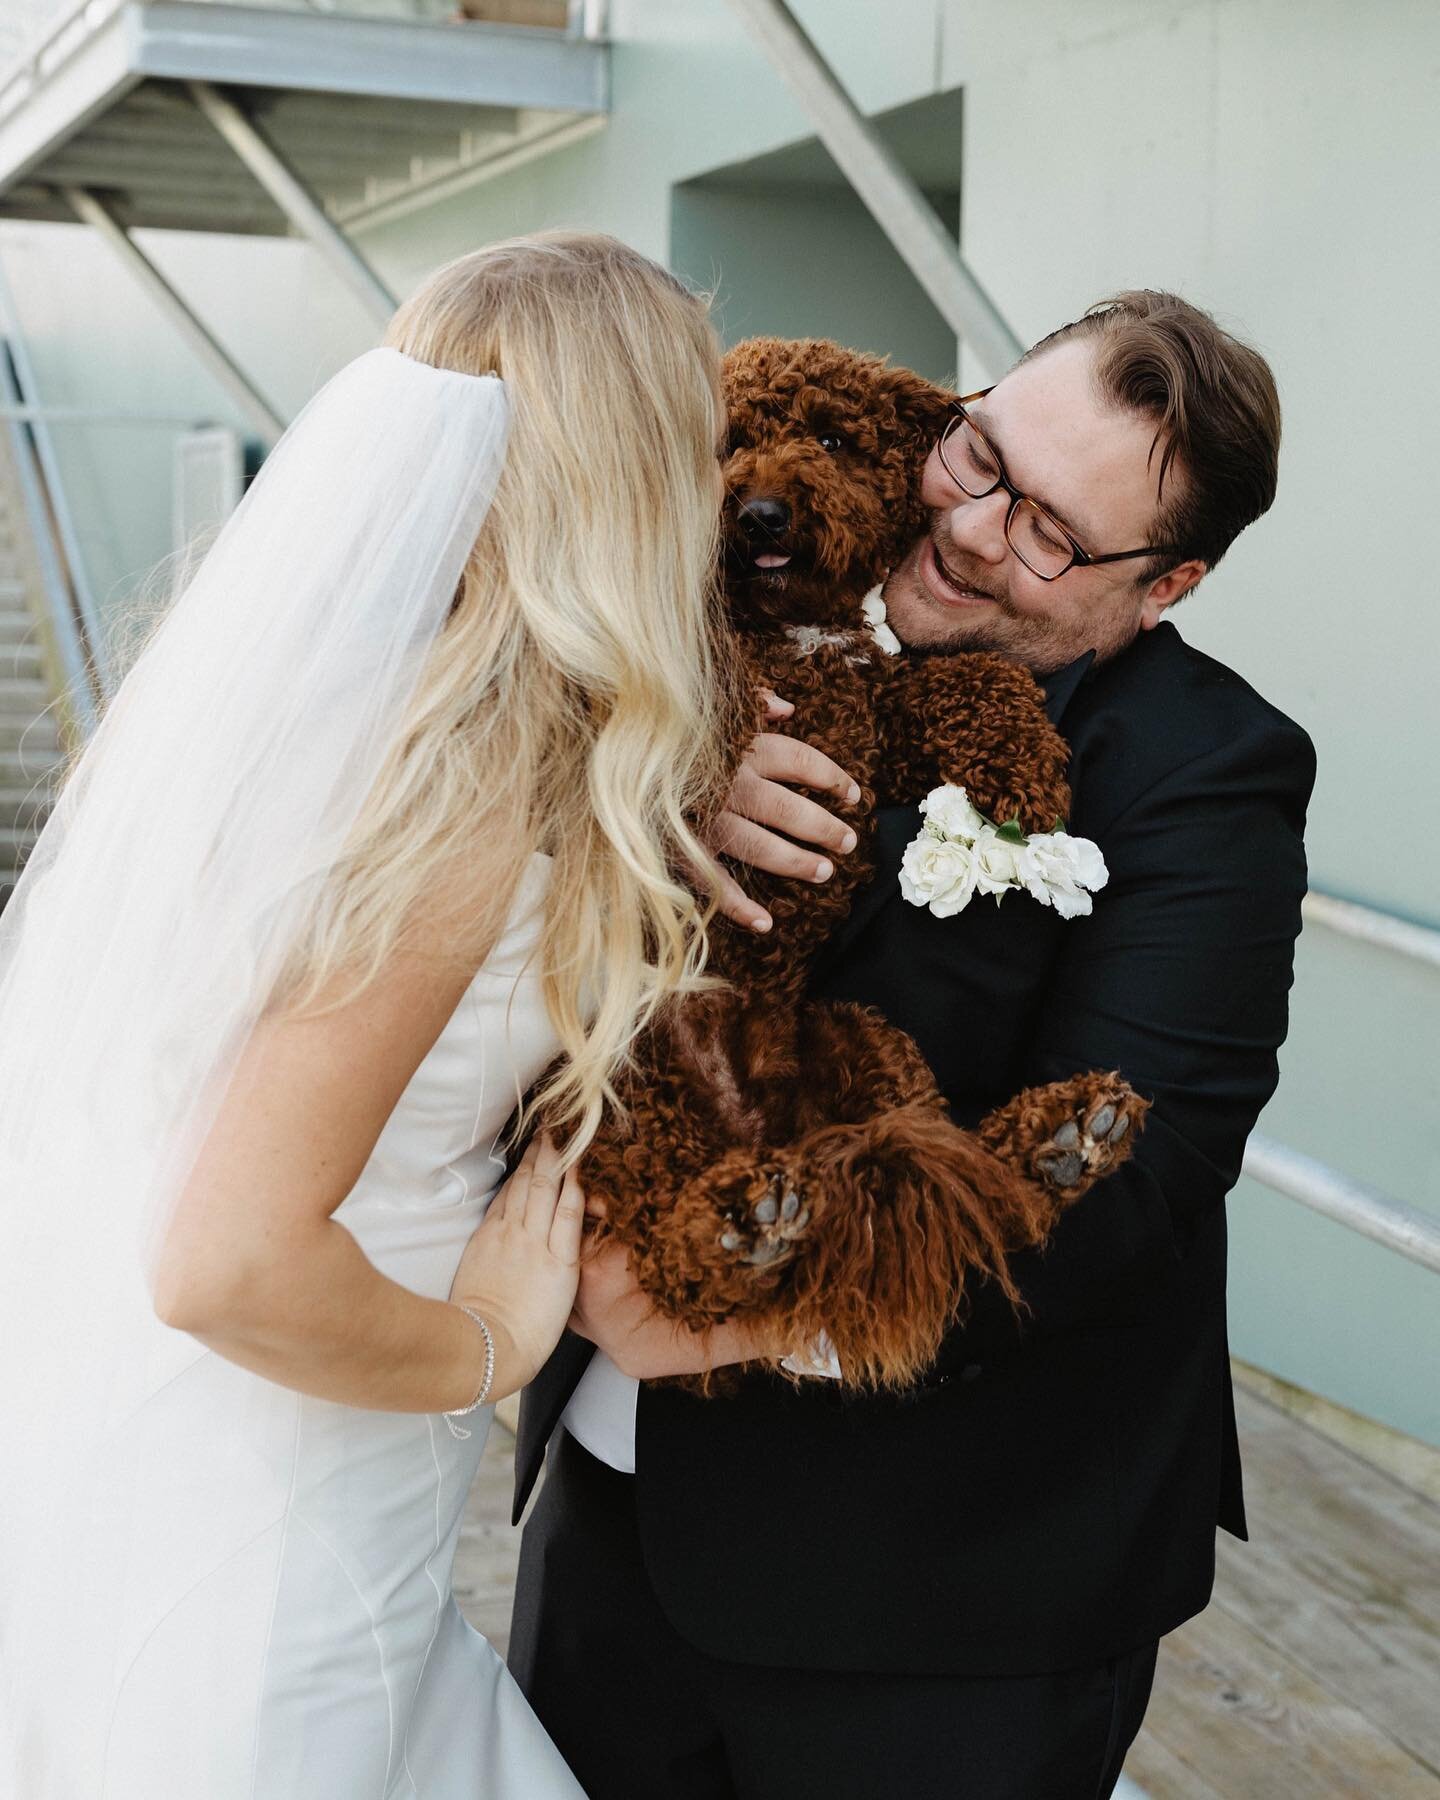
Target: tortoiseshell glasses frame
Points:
(1045, 546)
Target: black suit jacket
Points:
(1049, 1496)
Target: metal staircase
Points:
(275, 120)
(31, 747)
(366, 115)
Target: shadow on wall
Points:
(790, 250)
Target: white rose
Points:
(1058, 869)
(949, 810)
(997, 862)
(938, 874)
(873, 609)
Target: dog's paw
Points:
(763, 1227)
(1092, 1142)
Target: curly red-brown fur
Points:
(791, 1162)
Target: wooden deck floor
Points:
(1315, 1673)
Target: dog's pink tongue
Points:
(770, 561)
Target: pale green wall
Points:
(1276, 163)
(746, 244)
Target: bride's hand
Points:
(521, 1267)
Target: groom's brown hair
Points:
(1215, 409)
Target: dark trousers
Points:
(640, 1714)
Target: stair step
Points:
(20, 660)
(23, 809)
(32, 766)
(15, 842)
(37, 734)
(16, 627)
(23, 690)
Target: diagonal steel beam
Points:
(93, 212)
(295, 200)
(883, 183)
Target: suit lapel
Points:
(541, 1405)
(1060, 687)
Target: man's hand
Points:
(613, 1313)
(763, 804)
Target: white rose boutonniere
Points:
(1062, 871)
(872, 610)
(960, 853)
(937, 873)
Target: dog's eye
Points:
(830, 441)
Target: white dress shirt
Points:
(601, 1413)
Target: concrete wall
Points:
(1271, 161)
(743, 243)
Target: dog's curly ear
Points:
(922, 408)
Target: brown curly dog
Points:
(789, 1161)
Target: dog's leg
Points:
(864, 1220)
(900, 1213)
(977, 721)
(1069, 1134)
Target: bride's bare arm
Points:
(254, 1265)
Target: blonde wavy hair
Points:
(577, 702)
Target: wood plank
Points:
(489, 1549)
(1161, 1775)
(1342, 1574)
(1253, 1725)
(1307, 1680)
(1409, 1460)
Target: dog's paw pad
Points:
(1063, 1171)
(767, 1231)
(1081, 1150)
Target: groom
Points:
(798, 1594)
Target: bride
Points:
(383, 821)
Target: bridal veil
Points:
(160, 904)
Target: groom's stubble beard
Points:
(1041, 640)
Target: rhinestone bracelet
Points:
(459, 1412)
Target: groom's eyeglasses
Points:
(1041, 542)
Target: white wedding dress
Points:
(264, 1578)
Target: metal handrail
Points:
(1371, 926)
(1401, 1227)
(102, 415)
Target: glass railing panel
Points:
(28, 25)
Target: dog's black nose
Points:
(764, 518)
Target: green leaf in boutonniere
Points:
(1060, 825)
(1010, 832)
